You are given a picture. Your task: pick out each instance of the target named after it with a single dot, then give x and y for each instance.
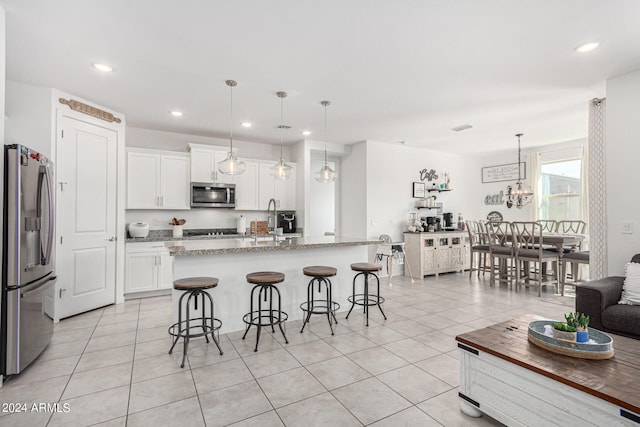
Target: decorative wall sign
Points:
(418, 190)
(494, 216)
(89, 110)
(494, 199)
(428, 175)
(508, 172)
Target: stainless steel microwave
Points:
(213, 195)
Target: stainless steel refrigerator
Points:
(28, 278)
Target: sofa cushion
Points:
(631, 288)
(622, 318)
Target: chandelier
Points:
(519, 194)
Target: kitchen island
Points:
(230, 260)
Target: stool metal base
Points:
(322, 306)
(265, 316)
(183, 328)
(365, 299)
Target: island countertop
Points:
(233, 246)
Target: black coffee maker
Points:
(448, 221)
(433, 221)
(287, 220)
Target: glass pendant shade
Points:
(231, 165)
(519, 194)
(325, 175)
(281, 170)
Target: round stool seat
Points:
(319, 271)
(265, 277)
(195, 283)
(365, 266)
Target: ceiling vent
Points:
(283, 127)
(461, 128)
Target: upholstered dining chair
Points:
(548, 225)
(572, 227)
(527, 236)
(479, 244)
(500, 234)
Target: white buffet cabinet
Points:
(436, 252)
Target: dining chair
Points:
(527, 238)
(575, 259)
(572, 227)
(500, 234)
(548, 225)
(479, 244)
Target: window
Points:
(560, 190)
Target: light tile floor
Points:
(112, 368)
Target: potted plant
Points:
(564, 332)
(580, 322)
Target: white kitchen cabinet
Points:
(435, 253)
(157, 180)
(204, 164)
(283, 191)
(149, 267)
(247, 188)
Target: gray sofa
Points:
(599, 300)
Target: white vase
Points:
(177, 231)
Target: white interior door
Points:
(86, 256)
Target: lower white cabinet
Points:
(149, 267)
(437, 252)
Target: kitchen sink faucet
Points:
(275, 217)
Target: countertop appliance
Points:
(448, 221)
(28, 278)
(139, 229)
(287, 221)
(213, 195)
(433, 221)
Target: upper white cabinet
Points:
(247, 188)
(204, 164)
(254, 187)
(283, 191)
(157, 180)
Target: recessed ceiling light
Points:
(587, 47)
(306, 132)
(246, 124)
(176, 113)
(103, 67)
(461, 128)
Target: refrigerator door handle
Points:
(45, 173)
(37, 287)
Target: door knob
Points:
(112, 239)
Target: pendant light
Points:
(231, 165)
(325, 174)
(519, 194)
(282, 170)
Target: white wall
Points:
(622, 171)
(28, 111)
(322, 200)
(353, 189)
(391, 170)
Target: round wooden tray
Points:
(601, 349)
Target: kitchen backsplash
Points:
(195, 218)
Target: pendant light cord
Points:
(281, 125)
(325, 131)
(231, 119)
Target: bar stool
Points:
(264, 282)
(366, 269)
(194, 287)
(319, 275)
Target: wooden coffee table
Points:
(510, 379)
